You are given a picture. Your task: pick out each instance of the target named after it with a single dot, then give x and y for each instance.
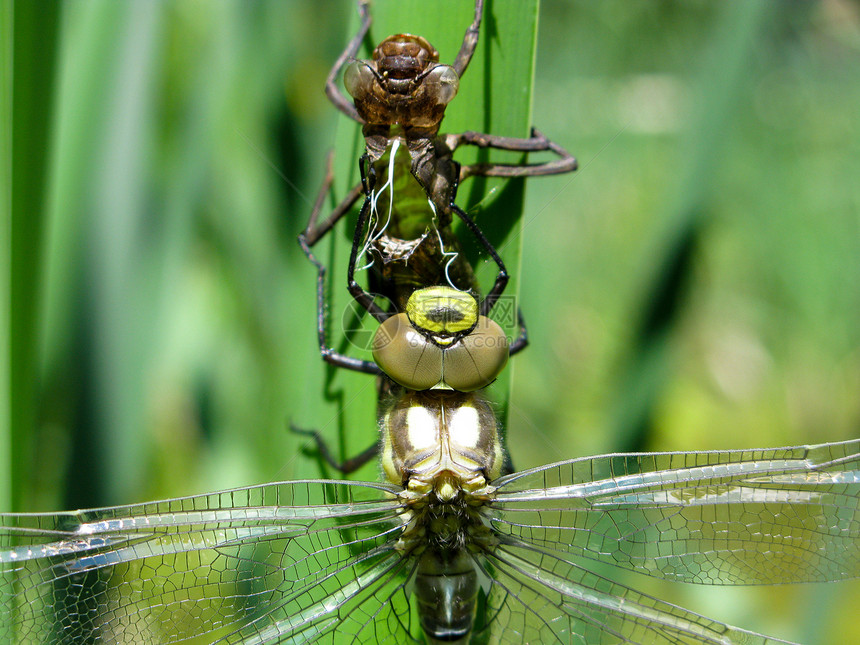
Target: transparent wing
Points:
(314, 561)
(736, 517)
(289, 562)
(537, 597)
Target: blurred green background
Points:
(694, 286)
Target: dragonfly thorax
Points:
(440, 441)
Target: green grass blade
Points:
(34, 41)
(5, 248)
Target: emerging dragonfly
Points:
(446, 548)
(327, 561)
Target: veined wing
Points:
(294, 562)
(284, 562)
(766, 516)
(538, 597)
(734, 517)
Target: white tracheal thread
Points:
(452, 255)
(372, 233)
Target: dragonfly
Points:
(328, 561)
(440, 442)
(447, 548)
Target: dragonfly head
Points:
(441, 343)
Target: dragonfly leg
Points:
(502, 278)
(329, 354)
(332, 89)
(470, 41)
(360, 295)
(522, 340)
(536, 143)
(348, 465)
(315, 230)
(310, 236)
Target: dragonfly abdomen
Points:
(446, 588)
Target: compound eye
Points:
(358, 79)
(405, 356)
(444, 83)
(478, 359)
